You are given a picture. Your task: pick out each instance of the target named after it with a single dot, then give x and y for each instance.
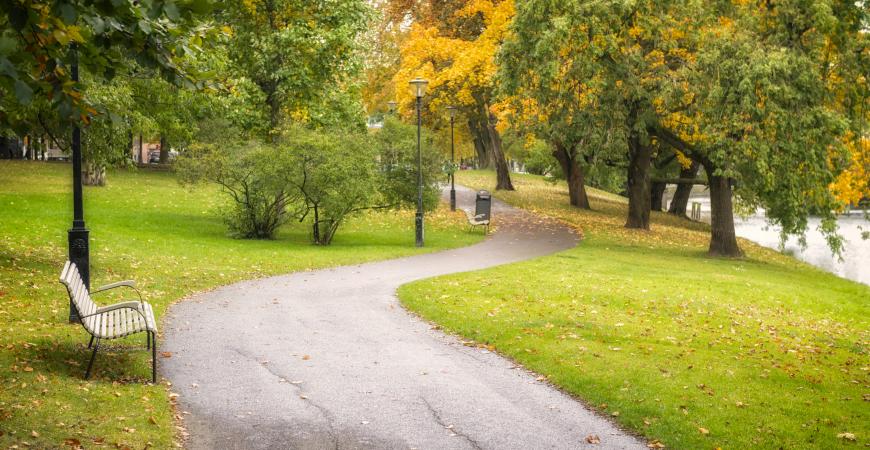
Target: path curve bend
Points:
(329, 359)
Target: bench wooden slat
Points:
(124, 321)
(106, 325)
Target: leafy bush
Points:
(539, 160)
(334, 175)
(253, 175)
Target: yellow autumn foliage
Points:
(457, 69)
(854, 183)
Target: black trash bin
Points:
(483, 206)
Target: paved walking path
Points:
(330, 359)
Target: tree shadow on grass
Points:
(125, 361)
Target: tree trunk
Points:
(640, 156)
(130, 147)
(481, 143)
(274, 116)
(657, 192)
(503, 174)
(684, 191)
(93, 174)
(575, 176)
(723, 239)
(164, 150)
(482, 157)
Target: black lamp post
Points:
(418, 88)
(452, 110)
(77, 236)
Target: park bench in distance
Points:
(482, 211)
(478, 220)
(113, 321)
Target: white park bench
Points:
(479, 220)
(113, 321)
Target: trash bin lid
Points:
(483, 194)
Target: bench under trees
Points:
(112, 321)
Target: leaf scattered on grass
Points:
(847, 436)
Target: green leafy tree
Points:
(764, 120)
(294, 51)
(335, 176)
(36, 37)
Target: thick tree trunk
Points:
(93, 174)
(575, 176)
(640, 156)
(164, 150)
(481, 143)
(482, 158)
(503, 174)
(684, 191)
(723, 239)
(657, 193)
(274, 116)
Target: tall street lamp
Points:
(418, 89)
(452, 110)
(77, 236)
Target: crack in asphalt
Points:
(435, 414)
(327, 416)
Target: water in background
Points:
(856, 256)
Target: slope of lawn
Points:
(144, 226)
(687, 351)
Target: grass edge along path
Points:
(145, 227)
(689, 351)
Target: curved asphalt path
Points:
(329, 359)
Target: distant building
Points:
(141, 151)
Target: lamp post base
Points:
(79, 255)
(418, 221)
(453, 199)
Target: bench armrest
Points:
(126, 283)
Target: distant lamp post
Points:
(77, 236)
(452, 110)
(418, 89)
(392, 106)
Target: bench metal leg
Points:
(148, 344)
(91, 343)
(93, 356)
(153, 357)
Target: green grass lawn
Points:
(695, 352)
(144, 226)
